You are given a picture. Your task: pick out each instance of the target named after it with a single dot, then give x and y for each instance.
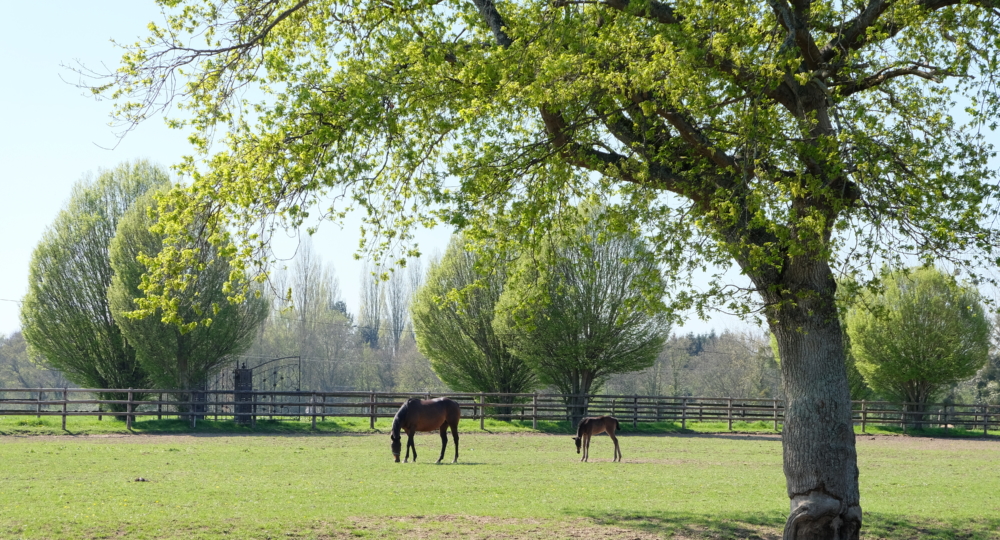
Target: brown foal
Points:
(594, 426)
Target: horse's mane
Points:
(401, 415)
(579, 428)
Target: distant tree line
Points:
(574, 318)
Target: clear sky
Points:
(54, 133)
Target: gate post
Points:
(243, 396)
(372, 410)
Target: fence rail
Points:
(316, 406)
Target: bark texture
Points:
(820, 460)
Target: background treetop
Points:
(747, 129)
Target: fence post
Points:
(322, 409)
(729, 413)
(159, 407)
(775, 414)
(684, 413)
(194, 417)
(635, 411)
(864, 414)
(371, 406)
(128, 411)
(38, 406)
(534, 411)
(312, 409)
(482, 411)
(986, 419)
(65, 401)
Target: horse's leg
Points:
(454, 435)
(618, 451)
(586, 447)
(444, 441)
(409, 444)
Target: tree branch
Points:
(851, 87)
(488, 11)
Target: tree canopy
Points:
(453, 314)
(171, 355)
(924, 332)
(788, 137)
(578, 311)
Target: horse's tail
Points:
(618, 425)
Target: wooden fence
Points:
(316, 406)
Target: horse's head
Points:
(396, 445)
(577, 441)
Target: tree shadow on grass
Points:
(769, 526)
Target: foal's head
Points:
(396, 444)
(577, 440)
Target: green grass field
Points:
(88, 425)
(506, 485)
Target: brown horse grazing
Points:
(425, 415)
(594, 426)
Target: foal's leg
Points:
(618, 451)
(444, 441)
(454, 435)
(586, 447)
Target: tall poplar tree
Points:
(66, 318)
(173, 356)
(453, 315)
(769, 134)
(580, 311)
(924, 332)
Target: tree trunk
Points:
(576, 404)
(820, 461)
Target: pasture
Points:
(506, 485)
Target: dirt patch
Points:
(490, 528)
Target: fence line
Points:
(631, 409)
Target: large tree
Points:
(66, 318)
(924, 332)
(578, 312)
(453, 316)
(786, 137)
(173, 356)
